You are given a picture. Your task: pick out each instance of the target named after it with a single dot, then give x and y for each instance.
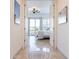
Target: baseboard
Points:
(62, 53)
(17, 52)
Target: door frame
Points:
(54, 24)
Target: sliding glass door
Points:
(31, 26)
(34, 26)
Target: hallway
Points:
(48, 13)
(39, 49)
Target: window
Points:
(45, 24)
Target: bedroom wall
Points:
(16, 31)
(62, 30)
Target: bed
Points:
(43, 34)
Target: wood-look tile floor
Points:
(39, 49)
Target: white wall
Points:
(62, 30)
(63, 39)
(16, 31)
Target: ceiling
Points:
(42, 5)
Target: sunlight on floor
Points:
(39, 49)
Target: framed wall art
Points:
(63, 16)
(16, 12)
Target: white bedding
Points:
(41, 34)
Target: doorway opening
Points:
(38, 26)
